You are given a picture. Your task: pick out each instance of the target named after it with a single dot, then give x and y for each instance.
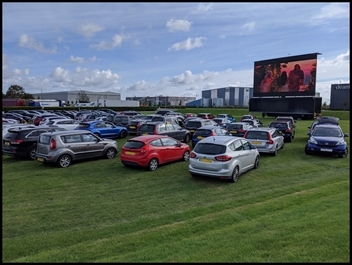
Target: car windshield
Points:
(209, 149)
(327, 132)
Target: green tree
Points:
(82, 97)
(15, 91)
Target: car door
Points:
(94, 146)
(241, 154)
(75, 143)
(172, 150)
(278, 138)
(251, 151)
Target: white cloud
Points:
(188, 44)
(89, 30)
(32, 44)
(105, 45)
(74, 59)
(248, 26)
(178, 25)
(204, 8)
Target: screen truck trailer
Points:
(297, 107)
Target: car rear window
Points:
(134, 144)
(83, 125)
(194, 124)
(44, 139)
(278, 125)
(257, 135)
(158, 119)
(209, 149)
(202, 132)
(235, 126)
(147, 128)
(12, 135)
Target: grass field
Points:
(293, 208)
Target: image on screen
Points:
(289, 76)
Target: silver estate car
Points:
(224, 157)
(265, 139)
(62, 148)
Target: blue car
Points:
(327, 139)
(205, 131)
(104, 129)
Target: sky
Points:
(169, 49)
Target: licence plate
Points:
(133, 127)
(325, 150)
(191, 130)
(233, 131)
(256, 143)
(7, 143)
(40, 159)
(205, 160)
(200, 137)
(145, 134)
(130, 153)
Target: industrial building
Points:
(340, 97)
(224, 97)
(163, 101)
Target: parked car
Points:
(238, 128)
(63, 148)
(254, 122)
(265, 139)
(170, 119)
(223, 122)
(226, 116)
(13, 116)
(131, 113)
(9, 121)
(164, 128)
(328, 139)
(120, 119)
(248, 117)
(206, 131)
(193, 124)
(206, 116)
(224, 157)
(153, 150)
(104, 129)
(68, 124)
(163, 111)
(46, 120)
(37, 118)
(287, 118)
(6, 127)
(21, 142)
(135, 124)
(321, 120)
(286, 129)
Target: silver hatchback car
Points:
(265, 139)
(224, 157)
(64, 147)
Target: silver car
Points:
(265, 139)
(224, 157)
(65, 147)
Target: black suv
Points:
(285, 128)
(194, 124)
(120, 119)
(165, 128)
(22, 142)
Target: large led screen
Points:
(287, 76)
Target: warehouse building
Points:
(340, 97)
(163, 101)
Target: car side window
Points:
(162, 128)
(168, 141)
(238, 145)
(156, 143)
(72, 138)
(246, 145)
(108, 125)
(169, 127)
(276, 134)
(88, 138)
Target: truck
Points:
(13, 102)
(297, 107)
(46, 103)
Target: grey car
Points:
(62, 148)
(265, 139)
(223, 157)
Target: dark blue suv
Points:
(327, 139)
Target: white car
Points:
(68, 124)
(224, 157)
(47, 120)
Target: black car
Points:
(120, 119)
(286, 129)
(165, 128)
(134, 125)
(22, 142)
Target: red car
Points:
(150, 151)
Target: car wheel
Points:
(289, 139)
(110, 153)
(275, 152)
(307, 151)
(256, 162)
(283, 145)
(31, 152)
(64, 161)
(344, 155)
(235, 174)
(153, 164)
(185, 156)
(123, 134)
(187, 138)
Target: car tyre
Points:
(123, 134)
(344, 155)
(256, 162)
(275, 152)
(235, 174)
(31, 152)
(307, 151)
(185, 156)
(64, 161)
(289, 139)
(153, 164)
(187, 138)
(110, 153)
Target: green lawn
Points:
(293, 208)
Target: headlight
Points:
(341, 142)
(312, 140)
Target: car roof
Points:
(328, 119)
(239, 122)
(209, 127)
(327, 125)
(148, 138)
(266, 129)
(279, 121)
(220, 139)
(68, 132)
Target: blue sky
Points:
(170, 49)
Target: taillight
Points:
(16, 142)
(52, 144)
(241, 130)
(192, 155)
(144, 149)
(270, 140)
(223, 158)
(212, 134)
(288, 130)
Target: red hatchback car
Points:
(150, 151)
